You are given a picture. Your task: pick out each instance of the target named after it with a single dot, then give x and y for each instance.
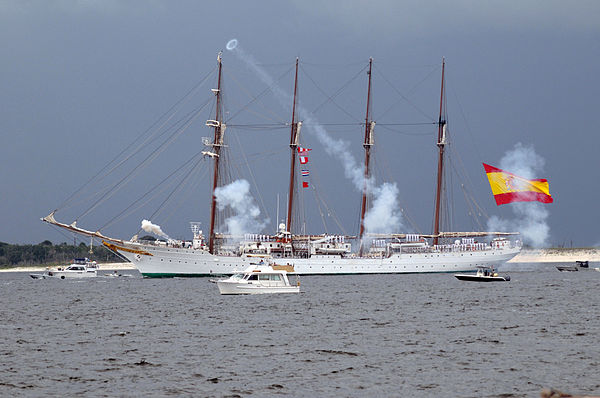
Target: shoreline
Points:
(101, 267)
(526, 256)
(556, 255)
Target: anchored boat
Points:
(79, 268)
(259, 279)
(584, 265)
(391, 252)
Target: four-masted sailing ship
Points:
(313, 254)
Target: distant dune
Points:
(557, 255)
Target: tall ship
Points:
(219, 253)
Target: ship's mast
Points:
(367, 144)
(294, 136)
(441, 143)
(219, 128)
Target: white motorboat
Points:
(79, 268)
(259, 279)
(484, 274)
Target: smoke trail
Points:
(154, 229)
(384, 215)
(237, 196)
(531, 217)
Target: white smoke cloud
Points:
(531, 217)
(236, 195)
(154, 229)
(523, 161)
(384, 215)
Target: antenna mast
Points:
(217, 144)
(441, 143)
(367, 144)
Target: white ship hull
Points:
(157, 261)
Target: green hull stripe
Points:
(169, 275)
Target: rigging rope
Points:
(262, 203)
(161, 184)
(146, 161)
(256, 98)
(162, 206)
(385, 127)
(183, 199)
(404, 97)
(181, 101)
(335, 94)
(330, 213)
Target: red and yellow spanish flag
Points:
(508, 187)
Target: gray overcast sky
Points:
(79, 80)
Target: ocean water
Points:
(343, 336)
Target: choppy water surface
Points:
(352, 336)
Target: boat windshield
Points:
(237, 276)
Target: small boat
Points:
(484, 274)
(567, 268)
(259, 279)
(79, 268)
(570, 268)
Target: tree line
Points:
(47, 253)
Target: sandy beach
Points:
(557, 255)
(526, 256)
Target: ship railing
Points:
(453, 248)
(478, 246)
(413, 250)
